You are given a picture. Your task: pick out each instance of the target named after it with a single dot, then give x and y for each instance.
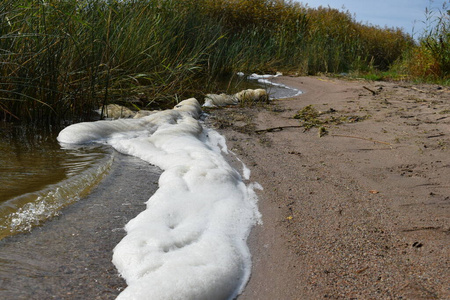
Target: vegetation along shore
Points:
(355, 172)
(63, 59)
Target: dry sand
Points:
(359, 213)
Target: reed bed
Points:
(61, 59)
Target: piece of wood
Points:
(275, 129)
(372, 91)
(361, 138)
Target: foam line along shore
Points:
(190, 242)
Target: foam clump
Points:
(249, 95)
(265, 76)
(258, 95)
(190, 242)
(115, 111)
(191, 106)
(215, 100)
(144, 113)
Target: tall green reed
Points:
(436, 40)
(60, 59)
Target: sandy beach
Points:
(358, 209)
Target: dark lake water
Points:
(38, 177)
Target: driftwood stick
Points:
(275, 129)
(419, 90)
(435, 136)
(422, 228)
(372, 91)
(361, 138)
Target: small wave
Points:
(32, 209)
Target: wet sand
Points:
(359, 213)
(70, 256)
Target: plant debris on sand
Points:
(310, 117)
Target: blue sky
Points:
(406, 14)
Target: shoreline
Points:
(344, 216)
(361, 212)
(69, 257)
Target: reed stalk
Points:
(61, 59)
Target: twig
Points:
(372, 91)
(416, 89)
(275, 129)
(422, 228)
(361, 138)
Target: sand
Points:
(359, 213)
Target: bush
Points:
(430, 58)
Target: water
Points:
(70, 257)
(38, 177)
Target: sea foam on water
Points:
(190, 242)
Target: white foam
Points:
(265, 76)
(190, 242)
(245, 171)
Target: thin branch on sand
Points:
(372, 91)
(361, 138)
(275, 129)
(280, 128)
